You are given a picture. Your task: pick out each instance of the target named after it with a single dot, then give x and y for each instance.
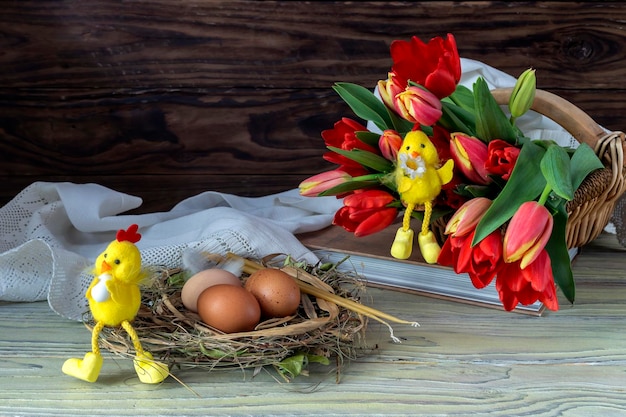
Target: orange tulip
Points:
(313, 186)
(465, 219)
(389, 89)
(418, 106)
(389, 144)
(527, 234)
(470, 154)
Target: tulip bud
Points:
(523, 94)
(313, 186)
(470, 154)
(466, 218)
(389, 144)
(418, 106)
(527, 234)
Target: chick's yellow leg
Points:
(148, 370)
(427, 241)
(402, 245)
(89, 367)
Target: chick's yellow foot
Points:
(86, 369)
(403, 244)
(148, 370)
(429, 247)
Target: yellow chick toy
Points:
(114, 300)
(418, 179)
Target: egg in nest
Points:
(199, 282)
(229, 308)
(277, 292)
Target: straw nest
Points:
(330, 323)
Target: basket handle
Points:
(610, 147)
(567, 115)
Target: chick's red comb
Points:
(129, 235)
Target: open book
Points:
(369, 257)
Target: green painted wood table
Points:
(463, 361)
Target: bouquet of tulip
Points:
(439, 150)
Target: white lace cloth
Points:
(51, 233)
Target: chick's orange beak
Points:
(105, 267)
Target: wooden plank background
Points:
(165, 99)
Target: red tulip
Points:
(527, 285)
(481, 262)
(366, 212)
(470, 154)
(527, 233)
(343, 136)
(486, 259)
(418, 106)
(501, 158)
(449, 255)
(436, 65)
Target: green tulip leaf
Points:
(400, 125)
(367, 137)
(583, 162)
(462, 97)
(457, 119)
(491, 122)
(559, 255)
(365, 158)
(350, 186)
(526, 183)
(555, 167)
(365, 104)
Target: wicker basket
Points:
(594, 201)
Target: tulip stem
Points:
(545, 194)
(368, 177)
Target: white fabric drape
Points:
(51, 233)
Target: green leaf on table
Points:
(365, 158)
(555, 167)
(583, 162)
(294, 365)
(526, 183)
(365, 104)
(491, 122)
(559, 255)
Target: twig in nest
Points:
(301, 276)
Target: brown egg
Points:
(277, 292)
(229, 308)
(201, 281)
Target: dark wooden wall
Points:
(165, 99)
